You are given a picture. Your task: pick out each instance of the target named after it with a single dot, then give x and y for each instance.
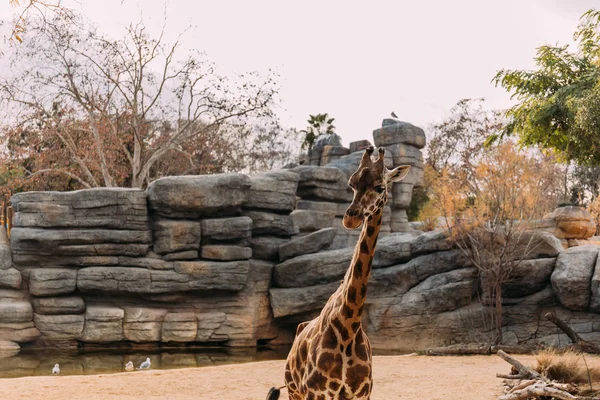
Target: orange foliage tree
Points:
(91, 111)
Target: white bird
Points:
(146, 364)
(56, 369)
(129, 366)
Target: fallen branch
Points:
(459, 349)
(538, 390)
(523, 370)
(517, 376)
(579, 343)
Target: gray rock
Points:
(15, 311)
(294, 301)
(144, 262)
(322, 206)
(227, 228)
(114, 279)
(175, 235)
(399, 279)
(430, 242)
(339, 194)
(209, 324)
(273, 190)
(108, 208)
(265, 223)
(182, 255)
(314, 173)
(529, 277)
(311, 243)
(103, 324)
(399, 221)
(313, 269)
(226, 252)
(143, 324)
(310, 221)
(595, 287)
(332, 153)
(266, 247)
(392, 249)
(539, 245)
(439, 293)
(359, 145)
(20, 332)
(52, 282)
(79, 242)
(59, 326)
(399, 132)
(405, 154)
(401, 195)
(179, 327)
(198, 196)
(572, 276)
(169, 282)
(215, 275)
(10, 278)
(5, 256)
(58, 305)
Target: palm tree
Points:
(317, 125)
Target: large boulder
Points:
(266, 223)
(310, 220)
(209, 323)
(291, 301)
(58, 305)
(52, 281)
(402, 195)
(394, 131)
(79, 242)
(20, 332)
(198, 196)
(321, 206)
(528, 277)
(405, 154)
(60, 326)
(215, 275)
(15, 311)
(430, 242)
(313, 269)
(266, 247)
(392, 249)
(273, 190)
(103, 324)
(10, 278)
(226, 252)
(572, 276)
(143, 324)
(179, 327)
(227, 229)
(322, 183)
(107, 208)
(114, 279)
(175, 235)
(572, 223)
(311, 243)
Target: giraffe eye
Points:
(380, 189)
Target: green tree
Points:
(317, 125)
(559, 102)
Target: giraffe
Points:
(331, 355)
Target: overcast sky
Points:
(358, 61)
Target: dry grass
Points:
(568, 366)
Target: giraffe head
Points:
(370, 184)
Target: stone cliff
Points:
(235, 260)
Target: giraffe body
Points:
(331, 355)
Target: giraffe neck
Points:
(354, 292)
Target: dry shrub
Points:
(567, 366)
(594, 209)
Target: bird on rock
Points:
(394, 115)
(146, 364)
(56, 370)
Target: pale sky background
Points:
(358, 61)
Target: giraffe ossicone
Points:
(331, 355)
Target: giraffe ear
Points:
(397, 174)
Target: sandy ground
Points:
(396, 377)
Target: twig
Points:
(528, 372)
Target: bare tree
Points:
(133, 101)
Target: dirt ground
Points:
(395, 377)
